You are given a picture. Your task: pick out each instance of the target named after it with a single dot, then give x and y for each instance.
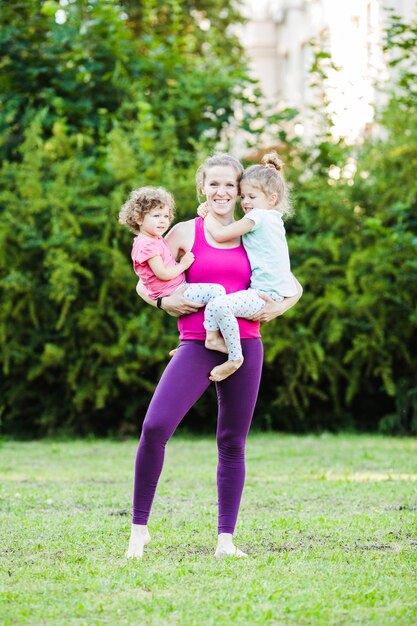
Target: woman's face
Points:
(221, 190)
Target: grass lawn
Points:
(329, 523)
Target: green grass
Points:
(329, 523)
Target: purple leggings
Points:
(183, 382)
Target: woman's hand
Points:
(177, 305)
(271, 310)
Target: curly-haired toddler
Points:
(149, 212)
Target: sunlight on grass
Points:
(329, 528)
(370, 476)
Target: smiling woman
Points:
(221, 190)
(187, 375)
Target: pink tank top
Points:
(226, 266)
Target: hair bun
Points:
(272, 161)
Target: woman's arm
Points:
(274, 309)
(175, 304)
(180, 238)
(222, 233)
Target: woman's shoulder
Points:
(183, 227)
(181, 236)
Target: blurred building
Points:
(277, 38)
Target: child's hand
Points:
(202, 209)
(187, 260)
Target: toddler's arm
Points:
(168, 273)
(222, 233)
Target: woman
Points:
(227, 264)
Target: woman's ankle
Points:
(139, 529)
(139, 538)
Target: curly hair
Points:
(269, 178)
(142, 201)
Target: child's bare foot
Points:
(139, 538)
(220, 372)
(214, 341)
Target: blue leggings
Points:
(183, 382)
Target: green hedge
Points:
(123, 94)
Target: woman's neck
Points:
(224, 219)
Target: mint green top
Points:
(267, 250)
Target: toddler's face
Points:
(156, 222)
(252, 197)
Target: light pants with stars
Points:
(221, 314)
(202, 293)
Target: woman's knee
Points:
(155, 431)
(231, 445)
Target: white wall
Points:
(277, 37)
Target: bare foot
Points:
(214, 341)
(139, 538)
(172, 352)
(233, 551)
(226, 547)
(220, 372)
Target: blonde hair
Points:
(269, 178)
(142, 201)
(223, 160)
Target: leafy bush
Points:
(346, 355)
(118, 95)
(125, 93)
